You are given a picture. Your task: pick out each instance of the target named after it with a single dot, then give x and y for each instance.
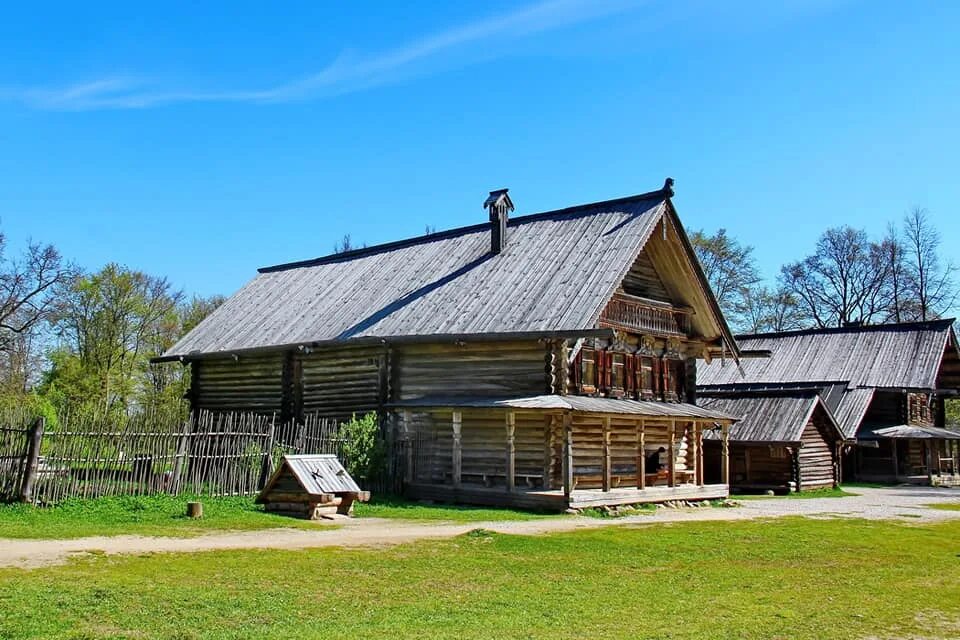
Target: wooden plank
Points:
(406, 425)
(457, 448)
(511, 425)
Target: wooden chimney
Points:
(499, 205)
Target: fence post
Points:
(266, 468)
(35, 438)
(183, 447)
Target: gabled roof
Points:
(317, 474)
(770, 416)
(900, 356)
(557, 273)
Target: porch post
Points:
(699, 476)
(511, 452)
(695, 450)
(606, 453)
(796, 470)
(928, 448)
(457, 448)
(641, 457)
(896, 463)
(548, 451)
(725, 456)
(671, 453)
(567, 455)
(406, 425)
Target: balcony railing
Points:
(641, 315)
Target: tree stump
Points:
(194, 509)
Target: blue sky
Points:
(200, 142)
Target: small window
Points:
(588, 370)
(646, 386)
(619, 373)
(778, 453)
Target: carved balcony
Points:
(640, 315)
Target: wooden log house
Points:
(788, 440)
(884, 385)
(536, 361)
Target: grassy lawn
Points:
(945, 506)
(389, 507)
(786, 578)
(164, 516)
(840, 492)
(148, 515)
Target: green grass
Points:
(164, 516)
(147, 515)
(945, 506)
(398, 508)
(784, 578)
(840, 492)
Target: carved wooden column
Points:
(607, 470)
(671, 454)
(511, 451)
(641, 457)
(457, 449)
(567, 455)
(725, 456)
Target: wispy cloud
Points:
(349, 72)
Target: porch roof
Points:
(578, 404)
(907, 431)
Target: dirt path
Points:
(908, 504)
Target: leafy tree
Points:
(732, 273)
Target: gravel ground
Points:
(900, 503)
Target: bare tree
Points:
(844, 282)
(769, 309)
(898, 297)
(27, 289)
(929, 279)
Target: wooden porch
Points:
(554, 459)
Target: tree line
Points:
(848, 279)
(81, 341)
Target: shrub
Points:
(363, 447)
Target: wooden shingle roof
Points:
(557, 273)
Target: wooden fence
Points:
(214, 454)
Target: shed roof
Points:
(580, 404)
(556, 274)
(772, 416)
(904, 356)
(913, 431)
(317, 474)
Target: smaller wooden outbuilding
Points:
(788, 440)
(311, 487)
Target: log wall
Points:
(336, 383)
(488, 369)
(246, 383)
(817, 469)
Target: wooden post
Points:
(457, 448)
(671, 455)
(929, 456)
(511, 451)
(694, 454)
(896, 463)
(266, 465)
(796, 470)
(725, 456)
(641, 457)
(700, 474)
(567, 455)
(406, 425)
(32, 461)
(548, 452)
(606, 453)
